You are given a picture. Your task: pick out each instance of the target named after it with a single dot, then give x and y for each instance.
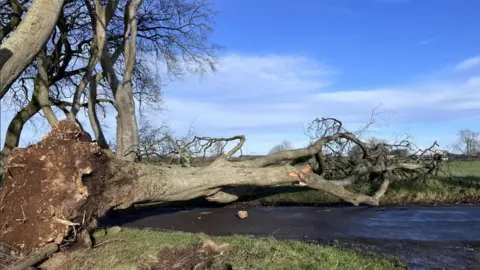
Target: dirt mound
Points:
(49, 185)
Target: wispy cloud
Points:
(468, 64)
(426, 41)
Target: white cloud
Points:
(260, 95)
(468, 64)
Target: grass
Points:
(129, 247)
(459, 182)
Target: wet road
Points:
(425, 237)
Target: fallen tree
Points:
(54, 190)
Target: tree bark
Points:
(24, 44)
(35, 258)
(41, 83)
(87, 77)
(92, 113)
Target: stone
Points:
(242, 214)
(113, 230)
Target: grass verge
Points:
(132, 248)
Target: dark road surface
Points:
(424, 237)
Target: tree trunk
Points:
(92, 113)
(87, 77)
(19, 50)
(41, 83)
(15, 128)
(127, 128)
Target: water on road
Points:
(425, 237)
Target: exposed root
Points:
(24, 217)
(65, 222)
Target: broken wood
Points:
(35, 257)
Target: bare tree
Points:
(153, 143)
(23, 45)
(285, 145)
(162, 143)
(176, 32)
(169, 28)
(468, 142)
(52, 74)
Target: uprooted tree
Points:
(57, 188)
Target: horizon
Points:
(286, 63)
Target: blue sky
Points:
(287, 62)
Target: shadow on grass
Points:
(439, 183)
(441, 190)
(437, 190)
(461, 181)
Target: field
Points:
(147, 249)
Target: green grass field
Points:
(458, 182)
(131, 248)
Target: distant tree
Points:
(468, 142)
(285, 145)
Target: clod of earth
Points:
(195, 257)
(56, 189)
(242, 214)
(113, 230)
